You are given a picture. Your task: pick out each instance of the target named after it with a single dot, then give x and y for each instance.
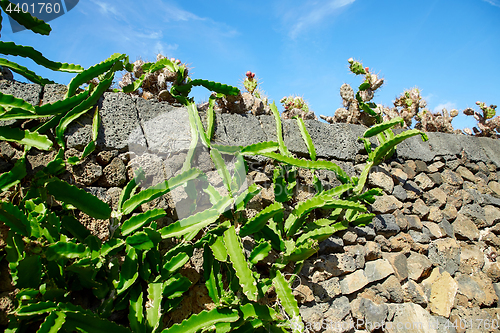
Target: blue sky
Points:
(449, 49)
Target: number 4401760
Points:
(40, 7)
(473, 323)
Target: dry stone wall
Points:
(427, 263)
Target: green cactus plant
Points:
(250, 82)
(296, 106)
(487, 124)
(253, 100)
(357, 107)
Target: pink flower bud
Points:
(248, 74)
(367, 69)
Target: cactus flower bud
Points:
(367, 69)
(350, 60)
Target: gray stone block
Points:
(473, 148)
(292, 137)
(444, 144)
(242, 129)
(268, 124)
(491, 148)
(220, 136)
(79, 133)
(120, 127)
(53, 93)
(150, 109)
(29, 92)
(168, 132)
(415, 149)
(339, 141)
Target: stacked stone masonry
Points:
(427, 263)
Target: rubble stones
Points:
(445, 253)
(386, 225)
(373, 251)
(399, 176)
(465, 173)
(401, 314)
(87, 172)
(424, 182)
(419, 266)
(381, 179)
(474, 212)
(378, 269)
(443, 293)
(420, 208)
(435, 230)
(399, 193)
(414, 293)
(366, 311)
(353, 282)
(114, 174)
(421, 166)
(495, 187)
(435, 197)
(331, 245)
(386, 204)
(393, 287)
(414, 222)
(471, 259)
(399, 263)
(449, 212)
(413, 191)
(452, 178)
(464, 228)
(337, 264)
(435, 214)
(436, 166)
(436, 178)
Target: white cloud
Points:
(495, 3)
(312, 13)
(151, 35)
(448, 106)
(428, 97)
(161, 27)
(106, 8)
(172, 13)
(164, 48)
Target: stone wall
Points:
(429, 257)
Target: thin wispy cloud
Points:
(172, 13)
(311, 14)
(495, 3)
(428, 97)
(448, 106)
(164, 48)
(106, 8)
(149, 35)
